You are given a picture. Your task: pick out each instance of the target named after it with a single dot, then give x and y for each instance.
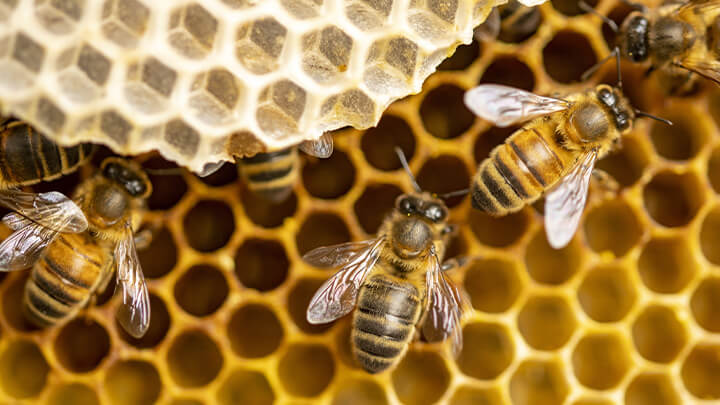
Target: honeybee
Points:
(555, 153)
(75, 245)
(393, 281)
(510, 22)
(272, 175)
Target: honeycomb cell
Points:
(81, 345)
(444, 114)
(303, 9)
(168, 189)
(158, 329)
(420, 378)
(7, 8)
(487, 350)
(194, 359)
(281, 105)
(592, 401)
(83, 72)
(192, 30)
(12, 304)
(321, 229)
(20, 60)
(673, 199)
(132, 382)
(160, 256)
(701, 371)
(463, 57)
(444, 174)
(329, 178)
(651, 389)
(306, 370)
(378, 143)
(607, 294)
(612, 226)
(73, 393)
(298, 301)
(225, 175)
(626, 164)
(23, 369)
(683, 139)
(124, 21)
(433, 19)
(658, 334)
(245, 387)
(511, 72)
(710, 236)
(254, 331)
(600, 360)
(59, 16)
(357, 392)
(493, 284)
(326, 53)
(488, 140)
(498, 231)
(551, 266)
(541, 311)
(149, 85)
(374, 204)
(570, 7)
(201, 290)
(666, 265)
(258, 45)
(184, 401)
(352, 107)
(704, 303)
(181, 137)
(214, 95)
(391, 65)
(368, 14)
(567, 67)
(713, 169)
(209, 225)
(261, 264)
(268, 214)
(538, 382)
(473, 396)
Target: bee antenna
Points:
(404, 163)
(588, 9)
(455, 193)
(165, 172)
(616, 51)
(594, 68)
(656, 118)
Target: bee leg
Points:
(456, 262)
(450, 230)
(143, 238)
(605, 181)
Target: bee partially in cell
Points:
(394, 282)
(509, 22)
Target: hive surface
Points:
(203, 81)
(626, 314)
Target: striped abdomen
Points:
(26, 157)
(65, 278)
(384, 321)
(519, 171)
(271, 175)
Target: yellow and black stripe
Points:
(271, 175)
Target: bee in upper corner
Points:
(394, 282)
(509, 22)
(76, 246)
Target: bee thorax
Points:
(410, 237)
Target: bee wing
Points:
(505, 106)
(707, 68)
(564, 204)
(52, 210)
(337, 296)
(134, 312)
(321, 147)
(706, 8)
(445, 308)
(531, 3)
(23, 247)
(210, 168)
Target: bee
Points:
(555, 153)
(394, 282)
(75, 246)
(510, 22)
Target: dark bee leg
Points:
(456, 262)
(143, 238)
(605, 181)
(450, 230)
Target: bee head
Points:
(413, 229)
(615, 101)
(633, 38)
(422, 205)
(128, 175)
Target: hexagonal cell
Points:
(463, 57)
(261, 264)
(710, 236)
(132, 382)
(50, 118)
(306, 370)
(391, 65)
(570, 7)
(124, 21)
(81, 345)
(487, 351)
(541, 311)
(368, 14)
(7, 7)
(443, 112)
(433, 19)
(266, 213)
(192, 30)
(149, 84)
(658, 334)
(607, 294)
(666, 265)
(420, 378)
(466, 395)
(254, 331)
(672, 199)
(321, 229)
(612, 226)
(109, 125)
(326, 53)
(160, 257)
(567, 67)
(329, 178)
(368, 391)
(444, 174)
(298, 300)
(538, 382)
(209, 225)
(258, 45)
(493, 284)
(352, 107)
(509, 71)
(194, 359)
(168, 189)
(281, 105)
(83, 73)
(701, 371)
(651, 389)
(374, 204)
(627, 164)
(12, 304)
(600, 360)
(181, 137)
(214, 95)
(713, 169)
(158, 329)
(704, 303)
(21, 58)
(73, 393)
(59, 16)
(551, 266)
(23, 369)
(303, 9)
(498, 231)
(378, 143)
(201, 290)
(684, 138)
(246, 387)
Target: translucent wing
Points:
(707, 68)
(25, 246)
(210, 168)
(134, 312)
(505, 106)
(336, 255)
(564, 204)
(531, 3)
(445, 308)
(704, 8)
(321, 147)
(490, 29)
(337, 296)
(52, 210)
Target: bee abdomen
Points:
(384, 322)
(271, 175)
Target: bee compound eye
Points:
(406, 205)
(607, 97)
(435, 213)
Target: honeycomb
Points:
(626, 314)
(203, 81)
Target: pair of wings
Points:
(564, 203)
(705, 65)
(338, 295)
(39, 218)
